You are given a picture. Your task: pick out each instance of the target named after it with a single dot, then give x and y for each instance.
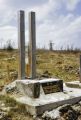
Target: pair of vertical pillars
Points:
(32, 44)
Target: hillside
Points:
(57, 64)
(63, 65)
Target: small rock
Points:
(54, 114)
(6, 109)
(65, 109)
(46, 74)
(10, 88)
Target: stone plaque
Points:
(52, 86)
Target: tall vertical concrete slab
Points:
(80, 68)
(21, 44)
(32, 44)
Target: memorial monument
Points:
(39, 95)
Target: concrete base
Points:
(47, 102)
(73, 84)
(33, 88)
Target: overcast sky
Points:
(56, 20)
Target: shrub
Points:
(9, 46)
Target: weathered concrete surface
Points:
(32, 44)
(80, 68)
(32, 88)
(73, 84)
(28, 88)
(21, 44)
(48, 102)
(36, 106)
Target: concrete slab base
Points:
(38, 107)
(47, 102)
(73, 84)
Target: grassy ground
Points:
(8, 66)
(12, 110)
(63, 65)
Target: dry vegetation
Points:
(63, 65)
(12, 110)
(8, 67)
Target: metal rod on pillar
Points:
(32, 44)
(21, 44)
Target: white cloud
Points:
(62, 33)
(62, 29)
(8, 29)
(8, 33)
(44, 10)
(71, 4)
(2, 4)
